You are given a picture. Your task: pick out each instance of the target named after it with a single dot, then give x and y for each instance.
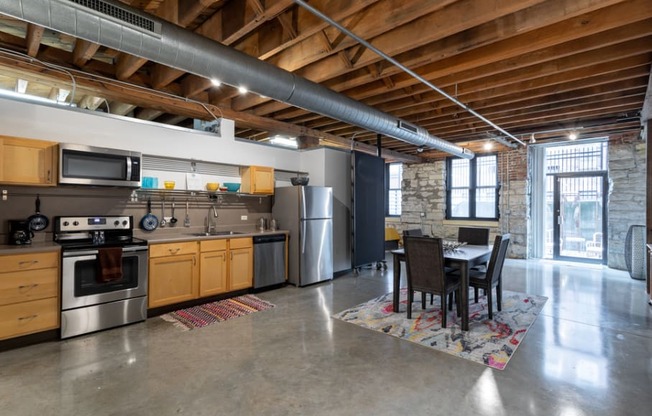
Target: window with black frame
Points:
(393, 179)
(472, 188)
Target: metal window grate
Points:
(577, 158)
(119, 13)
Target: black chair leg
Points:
(409, 303)
(458, 301)
(490, 303)
(499, 296)
(423, 300)
(431, 298)
(475, 293)
(450, 301)
(443, 310)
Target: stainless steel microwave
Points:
(98, 166)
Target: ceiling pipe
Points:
(408, 71)
(120, 27)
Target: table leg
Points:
(464, 280)
(397, 282)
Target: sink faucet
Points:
(211, 220)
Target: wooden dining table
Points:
(463, 259)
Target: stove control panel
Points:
(99, 223)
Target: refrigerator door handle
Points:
(302, 236)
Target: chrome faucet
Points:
(211, 220)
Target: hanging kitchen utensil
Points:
(163, 220)
(149, 222)
(38, 221)
(173, 220)
(186, 220)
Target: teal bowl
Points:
(231, 187)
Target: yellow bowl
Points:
(212, 186)
(168, 184)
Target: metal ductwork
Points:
(116, 26)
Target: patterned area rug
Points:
(490, 342)
(209, 313)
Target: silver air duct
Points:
(116, 26)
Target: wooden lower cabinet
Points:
(179, 272)
(242, 268)
(213, 268)
(235, 272)
(173, 273)
(29, 293)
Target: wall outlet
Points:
(243, 217)
(423, 214)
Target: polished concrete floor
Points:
(589, 353)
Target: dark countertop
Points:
(179, 236)
(35, 247)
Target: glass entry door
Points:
(577, 217)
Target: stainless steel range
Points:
(103, 273)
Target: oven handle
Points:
(94, 252)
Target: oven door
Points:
(81, 284)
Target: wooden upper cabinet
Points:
(28, 162)
(257, 180)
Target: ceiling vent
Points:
(407, 126)
(118, 13)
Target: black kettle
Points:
(20, 232)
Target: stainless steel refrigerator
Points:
(307, 212)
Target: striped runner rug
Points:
(209, 313)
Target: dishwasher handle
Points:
(262, 239)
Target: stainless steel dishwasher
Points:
(269, 260)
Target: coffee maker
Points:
(19, 232)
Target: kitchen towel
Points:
(110, 264)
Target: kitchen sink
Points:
(217, 233)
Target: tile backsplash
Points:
(68, 201)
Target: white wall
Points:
(64, 125)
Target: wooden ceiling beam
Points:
(127, 65)
(585, 53)
(33, 38)
(189, 10)
(180, 106)
(83, 52)
(121, 108)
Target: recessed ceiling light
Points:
(216, 82)
(572, 135)
(488, 146)
(242, 90)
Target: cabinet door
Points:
(212, 273)
(173, 279)
(241, 270)
(27, 162)
(263, 180)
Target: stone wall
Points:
(626, 205)
(424, 201)
(424, 198)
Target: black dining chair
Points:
(473, 236)
(415, 232)
(424, 262)
(492, 277)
